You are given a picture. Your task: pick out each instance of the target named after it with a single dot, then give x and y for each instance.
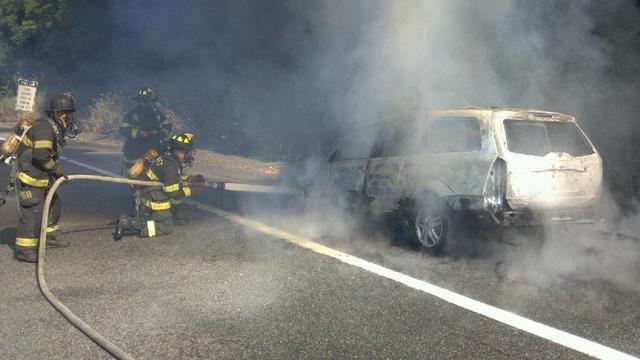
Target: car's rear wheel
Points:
(430, 228)
(432, 225)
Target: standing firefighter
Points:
(156, 203)
(145, 127)
(38, 165)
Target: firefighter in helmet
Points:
(144, 127)
(156, 203)
(38, 165)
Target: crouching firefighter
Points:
(155, 216)
(38, 166)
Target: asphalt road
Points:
(215, 289)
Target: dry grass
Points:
(101, 120)
(9, 117)
(104, 117)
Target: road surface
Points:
(220, 289)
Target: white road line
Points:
(87, 166)
(557, 336)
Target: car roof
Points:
(504, 113)
(476, 112)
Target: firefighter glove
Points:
(198, 179)
(59, 173)
(191, 190)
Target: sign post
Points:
(26, 99)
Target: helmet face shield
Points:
(72, 125)
(189, 158)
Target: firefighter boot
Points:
(26, 254)
(53, 242)
(177, 211)
(124, 226)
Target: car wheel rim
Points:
(430, 228)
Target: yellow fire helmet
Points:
(181, 142)
(145, 93)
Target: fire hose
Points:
(100, 340)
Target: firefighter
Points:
(144, 127)
(39, 165)
(156, 203)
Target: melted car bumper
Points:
(533, 218)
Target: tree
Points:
(22, 24)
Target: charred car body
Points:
(500, 167)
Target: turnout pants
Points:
(31, 201)
(156, 223)
(151, 223)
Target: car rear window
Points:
(538, 138)
(455, 135)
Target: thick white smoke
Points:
(460, 53)
(414, 56)
(295, 75)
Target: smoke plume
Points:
(289, 78)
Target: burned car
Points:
(498, 167)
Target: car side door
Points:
(386, 177)
(348, 164)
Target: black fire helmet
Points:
(62, 102)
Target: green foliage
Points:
(22, 21)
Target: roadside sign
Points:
(26, 98)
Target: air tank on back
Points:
(10, 145)
(138, 167)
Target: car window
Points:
(455, 135)
(527, 138)
(358, 145)
(403, 140)
(567, 138)
(539, 138)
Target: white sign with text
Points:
(26, 99)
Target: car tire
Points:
(432, 226)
